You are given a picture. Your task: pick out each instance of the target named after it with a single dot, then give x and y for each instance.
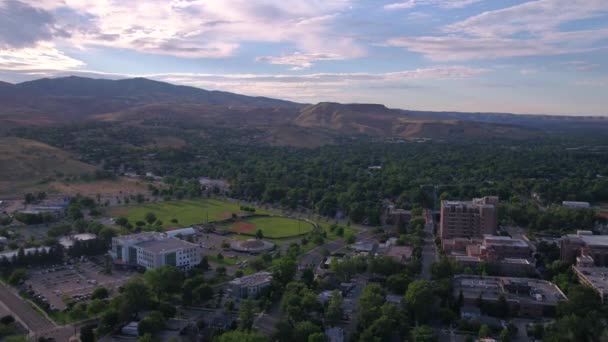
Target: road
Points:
(429, 250)
(23, 311)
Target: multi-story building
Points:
(596, 278)
(525, 297)
(469, 219)
(250, 286)
(152, 250)
(585, 244)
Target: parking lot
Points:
(57, 284)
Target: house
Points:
(401, 254)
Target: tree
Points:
(17, 276)
(304, 329)
(484, 331)
(419, 299)
(284, 272)
(246, 314)
(308, 276)
(164, 281)
(151, 324)
(423, 333)
(334, 312)
(150, 218)
(100, 293)
(96, 306)
(136, 296)
(370, 304)
(259, 234)
(242, 336)
(317, 337)
(505, 335)
(397, 283)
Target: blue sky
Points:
(541, 56)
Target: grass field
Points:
(186, 212)
(272, 227)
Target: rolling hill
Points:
(24, 162)
(140, 101)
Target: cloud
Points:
(41, 57)
(294, 87)
(201, 28)
(299, 60)
(579, 65)
(529, 29)
(441, 3)
(23, 25)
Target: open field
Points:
(186, 212)
(272, 227)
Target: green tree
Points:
(284, 272)
(484, 331)
(304, 329)
(242, 336)
(334, 312)
(423, 333)
(419, 298)
(151, 324)
(150, 218)
(246, 314)
(164, 281)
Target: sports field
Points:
(272, 227)
(186, 212)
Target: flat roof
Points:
(252, 279)
(596, 276)
(143, 236)
(491, 288)
(165, 245)
(591, 240)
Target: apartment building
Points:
(585, 244)
(152, 250)
(468, 219)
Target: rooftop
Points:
(591, 240)
(597, 277)
(165, 245)
(253, 279)
(400, 252)
(489, 240)
(513, 289)
(141, 237)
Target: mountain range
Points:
(135, 101)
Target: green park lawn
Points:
(186, 212)
(273, 227)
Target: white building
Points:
(68, 241)
(152, 250)
(250, 286)
(576, 205)
(181, 232)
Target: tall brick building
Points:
(469, 219)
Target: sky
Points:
(540, 57)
